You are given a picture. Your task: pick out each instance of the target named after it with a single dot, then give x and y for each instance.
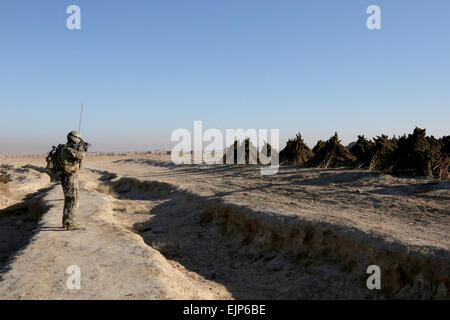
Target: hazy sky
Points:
(145, 68)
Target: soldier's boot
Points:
(74, 226)
(66, 214)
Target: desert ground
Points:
(155, 230)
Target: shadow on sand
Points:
(18, 224)
(181, 233)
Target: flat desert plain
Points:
(155, 230)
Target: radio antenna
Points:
(81, 116)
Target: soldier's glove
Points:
(83, 146)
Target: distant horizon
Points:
(169, 148)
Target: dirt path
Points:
(114, 262)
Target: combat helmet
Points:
(74, 136)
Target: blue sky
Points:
(145, 68)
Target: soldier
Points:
(69, 158)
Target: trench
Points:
(189, 230)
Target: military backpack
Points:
(54, 167)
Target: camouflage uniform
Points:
(70, 158)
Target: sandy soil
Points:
(159, 231)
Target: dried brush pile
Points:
(296, 151)
(415, 154)
(363, 150)
(319, 145)
(266, 150)
(332, 154)
(382, 153)
(242, 153)
(264, 157)
(419, 155)
(412, 155)
(443, 172)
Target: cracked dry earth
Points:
(158, 231)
